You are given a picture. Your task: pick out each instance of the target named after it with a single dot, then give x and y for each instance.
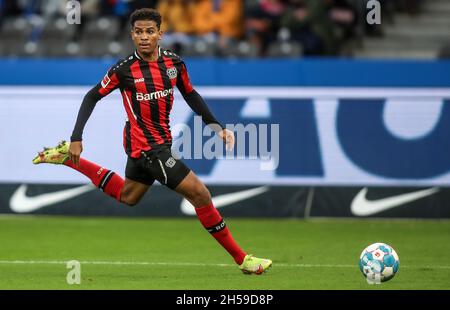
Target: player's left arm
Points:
(199, 106)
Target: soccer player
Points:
(146, 80)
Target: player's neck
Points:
(153, 56)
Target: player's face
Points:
(145, 35)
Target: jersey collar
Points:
(140, 58)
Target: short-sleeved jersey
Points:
(147, 90)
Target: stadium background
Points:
(363, 112)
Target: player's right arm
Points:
(106, 86)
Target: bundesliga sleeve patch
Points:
(106, 80)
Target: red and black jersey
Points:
(147, 90)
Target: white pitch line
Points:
(62, 262)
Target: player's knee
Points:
(130, 202)
(129, 199)
(201, 195)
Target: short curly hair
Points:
(146, 14)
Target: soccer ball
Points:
(379, 263)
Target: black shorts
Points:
(157, 165)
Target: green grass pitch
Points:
(160, 253)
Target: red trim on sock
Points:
(114, 187)
(89, 169)
(96, 174)
(209, 216)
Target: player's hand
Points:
(228, 138)
(75, 150)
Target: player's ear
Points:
(160, 34)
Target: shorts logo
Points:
(172, 72)
(171, 162)
(105, 81)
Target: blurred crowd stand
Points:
(221, 28)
